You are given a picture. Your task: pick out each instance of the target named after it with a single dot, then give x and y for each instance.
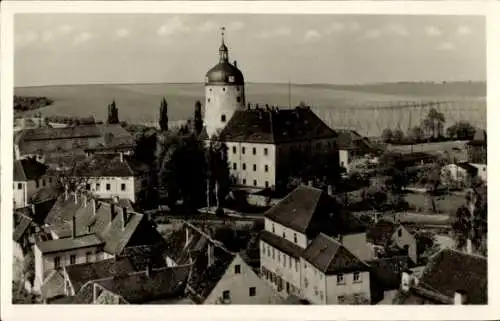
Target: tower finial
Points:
(222, 32)
(223, 52)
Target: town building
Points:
(352, 147)
(260, 141)
(219, 276)
(460, 174)
(29, 177)
(390, 237)
(291, 228)
(450, 277)
(109, 176)
(82, 230)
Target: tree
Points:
(198, 119)
(218, 175)
(397, 135)
(113, 113)
(434, 123)
(416, 134)
(164, 115)
(387, 135)
(461, 130)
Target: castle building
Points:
(260, 141)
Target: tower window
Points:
(254, 182)
(265, 151)
(210, 89)
(238, 99)
(266, 168)
(231, 79)
(267, 184)
(254, 167)
(223, 118)
(208, 99)
(223, 88)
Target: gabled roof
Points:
(275, 126)
(310, 210)
(66, 244)
(331, 257)
(104, 165)
(468, 167)
(49, 133)
(21, 228)
(281, 244)
(385, 273)
(352, 140)
(381, 233)
(449, 271)
(28, 170)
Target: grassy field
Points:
(360, 107)
(446, 204)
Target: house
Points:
(151, 286)
(29, 177)
(460, 173)
(387, 234)
(108, 176)
(293, 224)
(81, 230)
(45, 141)
(385, 275)
(351, 146)
(477, 149)
(219, 276)
(450, 277)
(331, 274)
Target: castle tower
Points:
(224, 91)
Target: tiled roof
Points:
(281, 244)
(21, 228)
(381, 233)
(385, 273)
(311, 210)
(103, 165)
(53, 285)
(140, 288)
(450, 270)
(352, 140)
(275, 126)
(118, 135)
(468, 167)
(28, 170)
(85, 295)
(48, 133)
(330, 257)
(66, 244)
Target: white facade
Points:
(23, 191)
(221, 101)
(252, 164)
(482, 171)
(110, 187)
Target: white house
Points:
(29, 177)
(352, 146)
(460, 173)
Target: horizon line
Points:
(434, 82)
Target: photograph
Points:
(249, 159)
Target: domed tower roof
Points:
(224, 72)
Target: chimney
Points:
(406, 280)
(73, 226)
(469, 246)
(187, 237)
(235, 64)
(33, 208)
(210, 254)
(121, 157)
(115, 199)
(460, 297)
(85, 200)
(310, 183)
(330, 190)
(76, 197)
(94, 206)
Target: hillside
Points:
(356, 106)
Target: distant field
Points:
(360, 107)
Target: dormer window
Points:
(231, 79)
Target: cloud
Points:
(433, 31)
(207, 26)
(122, 33)
(335, 27)
(446, 46)
(173, 26)
(26, 38)
(397, 30)
(312, 35)
(280, 32)
(354, 26)
(82, 38)
(65, 29)
(373, 33)
(464, 31)
(235, 26)
(47, 35)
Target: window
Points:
(223, 88)
(290, 262)
(88, 257)
(37, 184)
(305, 266)
(43, 182)
(268, 251)
(273, 228)
(284, 260)
(340, 299)
(19, 185)
(226, 295)
(208, 99)
(234, 166)
(123, 187)
(296, 265)
(265, 151)
(340, 278)
(284, 235)
(252, 291)
(72, 259)
(306, 282)
(321, 294)
(273, 253)
(210, 89)
(243, 150)
(400, 233)
(279, 257)
(287, 287)
(266, 184)
(223, 118)
(254, 151)
(244, 181)
(244, 166)
(254, 167)
(87, 187)
(108, 187)
(266, 168)
(57, 262)
(356, 277)
(50, 180)
(295, 237)
(254, 182)
(238, 99)
(234, 149)
(237, 269)
(263, 248)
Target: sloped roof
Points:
(468, 167)
(310, 210)
(66, 244)
(281, 244)
(53, 285)
(330, 257)
(137, 288)
(352, 140)
(381, 232)
(28, 170)
(385, 273)
(21, 228)
(275, 126)
(103, 165)
(49, 133)
(450, 270)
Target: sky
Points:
(57, 49)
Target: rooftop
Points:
(274, 126)
(107, 165)
(65, 244)
(381, 232)
(352, 140)
(28, 170)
